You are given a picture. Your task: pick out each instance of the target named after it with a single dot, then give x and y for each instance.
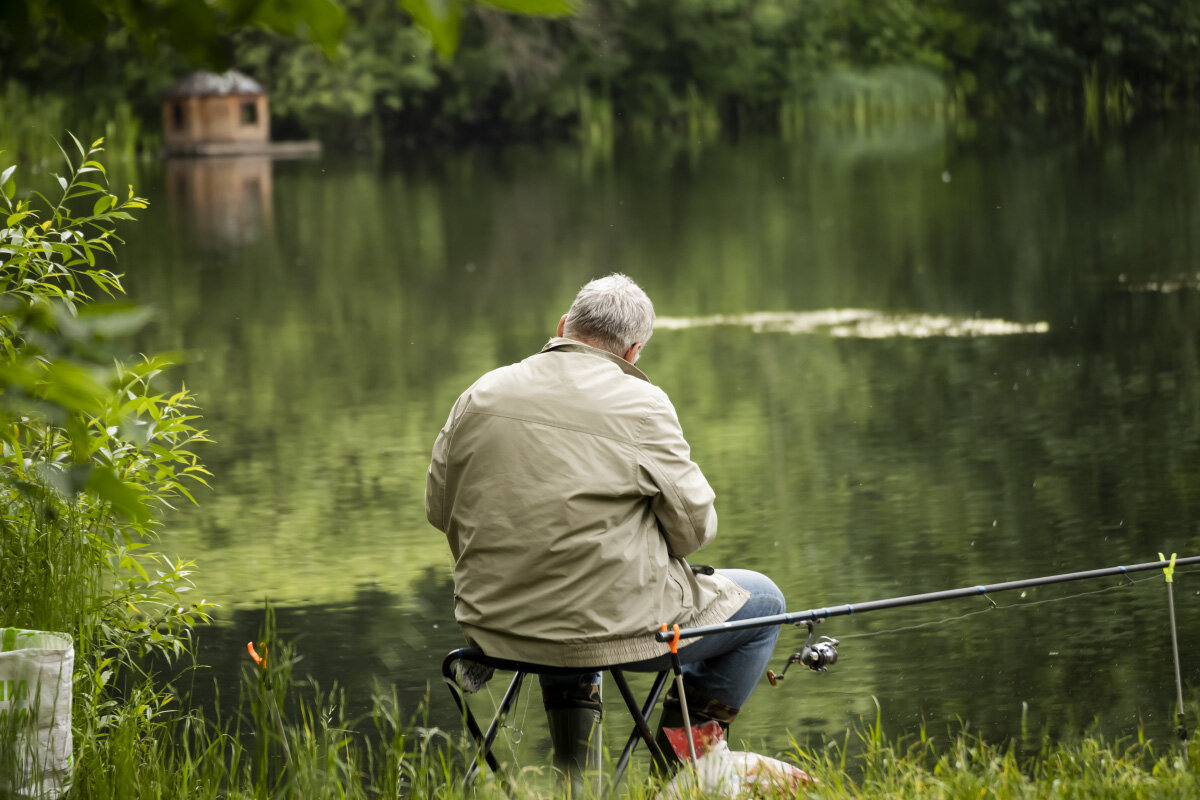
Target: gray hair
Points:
(612, 313)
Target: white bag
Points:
(719, 772)
(35, 712)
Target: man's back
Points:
(565, 488)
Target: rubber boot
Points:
(575, 735)
(701, 709)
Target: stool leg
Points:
(641, 728)
(486, 740)
(465, 711)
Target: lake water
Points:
(907, 361)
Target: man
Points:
(565, 488)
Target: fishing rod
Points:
(820, 655)
(818, 614)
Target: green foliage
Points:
(1038, 53)
(442, 19)
(556, 66)
(380, 64)
(104, 65)
(105, 85)
(194, 28)
(75, 418)
(697, 66)
(90, 451)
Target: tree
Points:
(200, 29)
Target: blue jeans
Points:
(723, 666)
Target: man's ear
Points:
(562, 325)
(631, 355)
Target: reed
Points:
(40, 120)
(843, 101)
(1106, 99)
(861, 99)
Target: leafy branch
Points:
(91, 452)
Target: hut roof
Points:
(201, 84)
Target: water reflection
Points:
(224, 201)
(847, 468)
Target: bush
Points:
(91, 452)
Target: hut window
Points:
(249, 112)
(178, 116)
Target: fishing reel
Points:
(817, 656)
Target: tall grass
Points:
(289, 739)
(1110, 99)
(842, 101)
(315, 749)
(285, 740)
(90, 450)
(35, 124)
(859, 99)
(967, 767)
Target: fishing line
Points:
(999, 607)
(515, 732)
(517, 729)
(814, 615)
(819, 655)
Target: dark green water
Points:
(331, 311)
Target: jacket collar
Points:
(565, 345)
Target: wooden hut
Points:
(226, 114)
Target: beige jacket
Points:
(565, 488)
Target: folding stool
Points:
(485, 740)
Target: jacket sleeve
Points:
(435, 478)
(682, 500)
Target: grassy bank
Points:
(963, 766)
(297, 741)
(290, 739)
